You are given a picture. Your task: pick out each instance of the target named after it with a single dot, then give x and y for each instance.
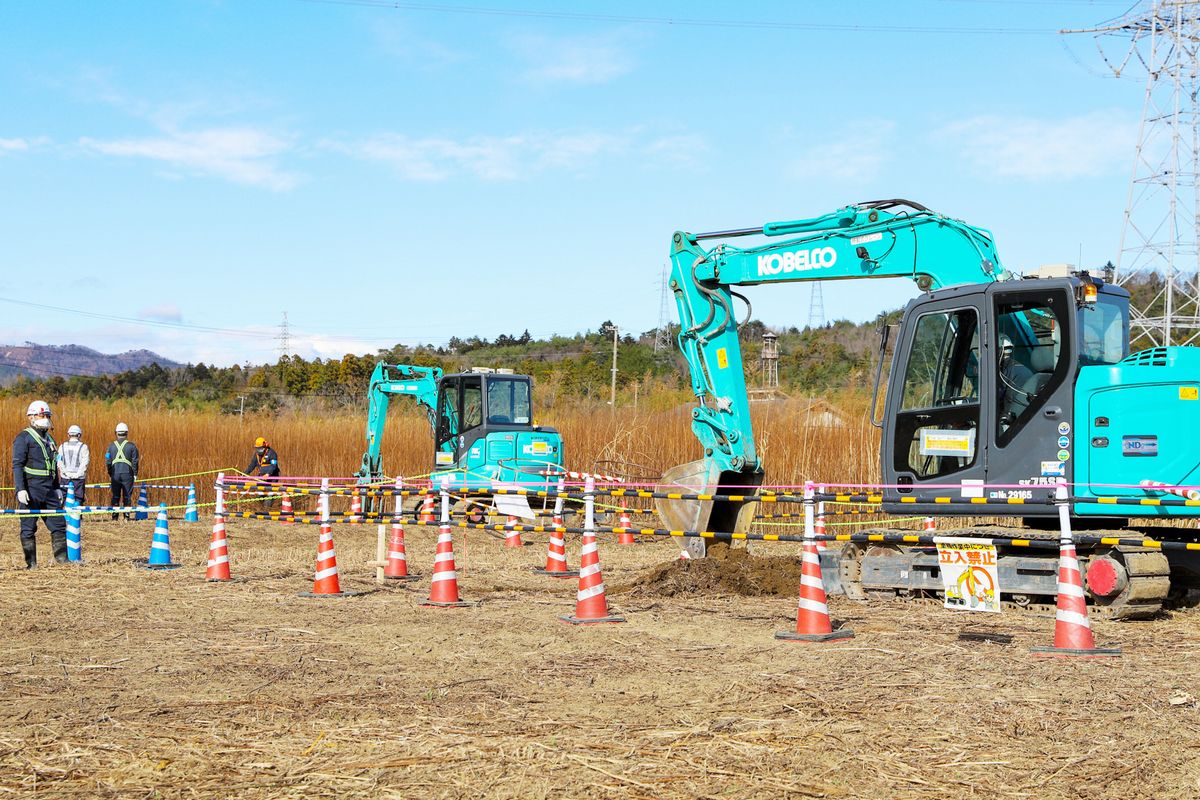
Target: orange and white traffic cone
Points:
(812, 615)
(1072, 631)
(286, 512)
(427, 516)
(512, 538)
(218, 550)
(443, 582)
(356, 508)
(556, 556)
(591, 605)
(218, 553)
(397, 557)
(930, 525)
(625, 536)
(326, 582)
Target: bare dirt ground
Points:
(120, 682)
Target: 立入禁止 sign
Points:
(970, 577)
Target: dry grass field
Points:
(119, 682)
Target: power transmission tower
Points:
(1162, 216)
(285, 341)
(662, 336)
(816, 307)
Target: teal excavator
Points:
(999, 387)
(482, 422)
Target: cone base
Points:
(556, 573)
(347, 593)
(163, 566)
(833, 636)
(515, 543)
(1076, 652)
(573, 620)
(437, 604)
(409, 577)
(222, 579)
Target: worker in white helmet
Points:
(122, 458)
(35, 476)
(73, 460)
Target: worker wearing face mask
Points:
(73, 459)
(35, 475)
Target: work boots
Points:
(58, 543)
(30, 548)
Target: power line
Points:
(692, 22)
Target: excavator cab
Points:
(982, 389)
(484, 428)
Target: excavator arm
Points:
(420, 383)
(879, 239)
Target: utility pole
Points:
(242, 409)
(612, 401)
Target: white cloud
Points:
(1044, 149)
(237, 154)
(496, 158)
(856, 156)
(21, 144)
(581, 60)
(164, 312)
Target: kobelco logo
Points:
(797, 261)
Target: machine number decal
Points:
(1139, 446)
(1011, 494)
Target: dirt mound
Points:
(737, 573)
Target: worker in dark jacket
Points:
(121, 458)
(35, 475)
(265, 461)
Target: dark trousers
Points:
(43, 496)
(122, 491)
(80, 485)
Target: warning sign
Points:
(969, 574)
(938, 442)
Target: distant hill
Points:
(41, 361)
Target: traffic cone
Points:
(512, 538)
(325, 578)
(397, 559)
(930, 525)
(626, 536)
(160, 546)
(286, 512)
(218, 552)
(812, 616)
(591, 605)
(142, 504)
(819, 530)
(443, 583)
(191, 514)
(74, 525)
(1072, 631)
(427, 511)
(556, 556)
(356, 508)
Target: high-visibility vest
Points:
(47, 459)
(120, 457)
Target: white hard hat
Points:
(37, 407)
(74, 430)
(122, 427)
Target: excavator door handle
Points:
(1052, 412)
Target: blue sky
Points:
(402, 172)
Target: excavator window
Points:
(939, 406)
(1029, 362)
(508, 401)
(472, 403)
(1104, 331)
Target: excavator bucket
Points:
(725, 516)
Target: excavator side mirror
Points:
(885, 331)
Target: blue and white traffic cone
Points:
(74, 526)
(191, 514)
(160, 547)
(142, 504)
